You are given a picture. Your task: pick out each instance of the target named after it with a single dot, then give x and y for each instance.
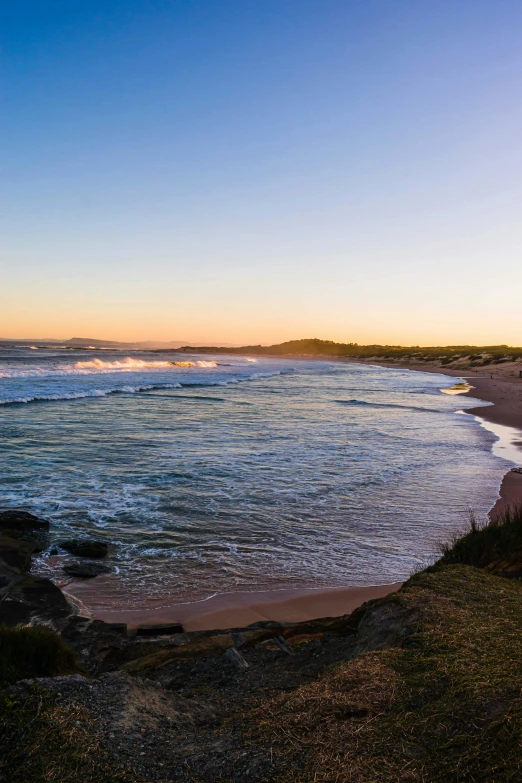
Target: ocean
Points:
(211, 474)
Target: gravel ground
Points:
(188, 723)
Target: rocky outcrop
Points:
(86, 570)
(27, 599)
(85, 548)
(21, 521)
(94, 641)
(15, 555)
(21, 525)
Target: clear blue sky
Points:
(258, 171)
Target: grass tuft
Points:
(481, 546)
(26, 653)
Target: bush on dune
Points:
(481, 546)
(33, 652)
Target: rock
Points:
(235, 656)
(167, 629)
(85, 547)
(14, 519)
(93, 640)
(28, 599)
(86, 570)
(15, 555)
(283, 645)
(21, 525)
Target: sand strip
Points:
(237, 610)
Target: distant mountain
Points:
(91, 341)
(143, 345)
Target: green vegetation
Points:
(471, 354)
(483, 547)
(442, 706)
(443, 702)
(429, 691)
(33, 652)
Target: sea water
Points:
(211, 474)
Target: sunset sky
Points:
(262, 170)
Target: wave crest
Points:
(124, 364)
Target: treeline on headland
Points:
(489, 354)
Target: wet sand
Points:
(510, 493)
(499, 386)
(237, 610)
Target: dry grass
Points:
(444, 707)
(42, 741)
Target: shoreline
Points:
(238, 610)
(241, 609)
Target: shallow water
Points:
(230, 474)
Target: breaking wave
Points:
(124, 364)
(98, 366)
(88, 393)
(83, 393)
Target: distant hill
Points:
(143, 345)
(316, 347)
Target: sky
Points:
(261, 170)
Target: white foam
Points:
(99, 366)
(124, 364)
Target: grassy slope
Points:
(434, 695)
(444, 706)
(44, 742)
(41, 741)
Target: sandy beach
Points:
(238, 610)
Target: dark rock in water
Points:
(15, 555)
(86, 570)
(27, 598)
(13, 519)
(85, 547)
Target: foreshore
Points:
(501, 386)
(238, 610)
(498, 386)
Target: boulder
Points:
(15, 555)
(31, 599)
(22, 525)
(85, 547)
(94, 641)
(13, 519)
(86, 570)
